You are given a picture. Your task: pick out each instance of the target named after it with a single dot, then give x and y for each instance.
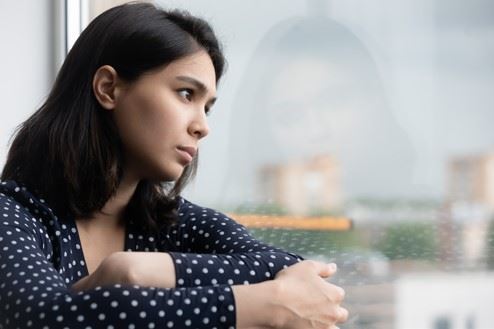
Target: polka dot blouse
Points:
(41, 257)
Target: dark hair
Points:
(69, 151)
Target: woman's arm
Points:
(297, 298)
(210, 248)
(35, 293)
(148, 269)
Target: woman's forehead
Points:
(195, 67)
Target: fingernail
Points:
(332, 267)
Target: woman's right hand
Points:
(304, 299)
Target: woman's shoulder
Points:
(21, 208)
(12, 192)
(192, 213)
(187, 208)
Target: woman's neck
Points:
(111, 215)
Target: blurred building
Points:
(471, 203)
(304, 188)
(471, 180)
(444, 301)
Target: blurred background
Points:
(351, 131)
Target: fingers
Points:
(325, 270)
(332, 268)
(339, 294)
(336, 295)
(342, 314)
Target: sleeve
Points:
(217, 250)
(33, 294)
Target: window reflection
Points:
(312, 89)
(378, 113)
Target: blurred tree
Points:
(310, 242)
(409, 240)
(260, 209)
(490, 245)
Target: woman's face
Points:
(162, 116)
(312, 109)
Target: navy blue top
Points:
(41, 257)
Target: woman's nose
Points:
(199, 126)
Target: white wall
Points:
(423, 298)
(26, 64)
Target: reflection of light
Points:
(76, 20)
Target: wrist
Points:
(277, 317)
(257, 306)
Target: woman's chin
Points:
(168, 172)
(170, 175)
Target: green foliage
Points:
(409, 240)
(490, 245)
(316, 212)
(260, 209)
(397, 204)
(309, 242)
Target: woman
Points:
(94, 233)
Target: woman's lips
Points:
(187, 152)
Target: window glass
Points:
(361, 132)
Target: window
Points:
(371, 122)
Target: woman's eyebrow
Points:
(198, 84)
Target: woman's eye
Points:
(186, 94)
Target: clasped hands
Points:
(301, 294)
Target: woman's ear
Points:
(105, 86)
